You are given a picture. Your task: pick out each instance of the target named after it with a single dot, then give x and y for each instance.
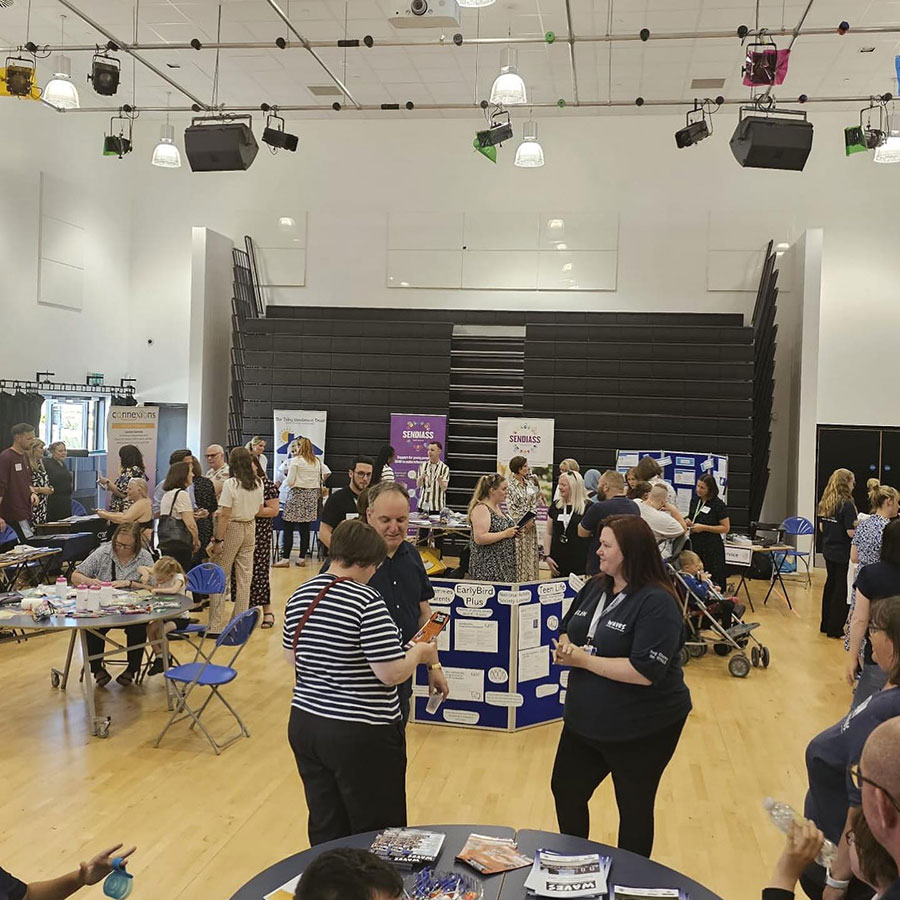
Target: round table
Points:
(627, 869)
(80, 627)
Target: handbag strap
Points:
(309, 609)
(172, 504)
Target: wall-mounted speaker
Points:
(219, 146)
(769, 142)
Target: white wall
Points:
(49, 338)
(210, 338)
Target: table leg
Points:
(776, 576)
(64, 675)
(743, 584)
(89, 683)
(170, 700)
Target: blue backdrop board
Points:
(681, 470)
(496, 653)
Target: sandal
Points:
(102, 678)
(268, 620)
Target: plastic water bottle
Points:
(118, 884)
(782, 815)
(82, 598)
(62, 588)
(94, 594)
(106, 593)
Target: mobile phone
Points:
(525, 519)
(433, 704)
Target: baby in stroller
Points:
(723, 609)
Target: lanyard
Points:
(566, 516)
(603, 610)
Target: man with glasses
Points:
(217, 472)
(880, 788)
(341, 504)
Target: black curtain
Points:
(126, 400)
(16, 408)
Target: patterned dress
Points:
(260, 593)
(39, 478)
(521, 499)
(867, 540)
(497, 561)
(205, 498)
(120, 504)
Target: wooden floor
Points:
(204, 825)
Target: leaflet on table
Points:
(554, 875)
(408, 847)
(492, 855)
(285, 892)
(630, 893)
(476, 636)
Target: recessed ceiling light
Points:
(324, 90)
(707, 84)
(866, 49)
(173, 65)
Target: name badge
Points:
(18, 467)
(704, 509)
(352, 516)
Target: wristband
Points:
(433, 666)
(836, 883)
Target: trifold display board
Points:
(497, 654)
(681, 470)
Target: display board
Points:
(411, 433)
(136, 426)
(497, 654)
(533, 439)
(298, 423)
(681, 469)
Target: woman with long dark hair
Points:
(131, 465)
(626, 701)
(709, 523)
(382, 470)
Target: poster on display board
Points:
(681, 469)
(135, 425)
(298, 423)
(411, 433)
(533, 439)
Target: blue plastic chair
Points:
(8, 536)
(798, 526)
(78, 509)
(207, 578)
(186, 678)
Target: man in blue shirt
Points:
(611, 501)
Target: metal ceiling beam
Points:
(571, 43)
(131, 52)
(379, 43)
(308, 46)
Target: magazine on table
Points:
(492, 855)
(555, 875)
(631, 893)
(408, 848)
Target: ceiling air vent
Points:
(707, 84)
(6, 4)
(318, 90)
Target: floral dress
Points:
(867, 540)
(120, 504)
(497, 561)
(39, 478)
(521, 499)
(260, 593)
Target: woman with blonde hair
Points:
(493, 545)
(564, 550)
(40, 483)
(140, 510)
(837, 524)
(256, 446)
(305, 476)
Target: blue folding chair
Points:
(8, 536)
(207, 578)
(78, 509)
(798, 526)
(187, 677)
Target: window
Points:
(79, 422)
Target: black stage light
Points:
(105, 75)
(116, 145)
(496, 134)
(274, 134)
(691, 134)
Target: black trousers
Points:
(182, 554)
(136, 634)
(834, 599)
(636, 767)
(813, 883)
(354, 775)
(287, 538)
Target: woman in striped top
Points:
(345, 728)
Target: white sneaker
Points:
(301, 561)
(283, 564)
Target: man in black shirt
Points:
(611, 501)
(342, 504)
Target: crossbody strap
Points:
(309, 609)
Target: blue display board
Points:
(496, 653)
(681, 470)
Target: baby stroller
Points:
(716, 621)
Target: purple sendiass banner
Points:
(411, 433)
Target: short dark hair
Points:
(196, 468)
(890, 542)
(130, 457)
(517, 463)
(348, 873)
(177, 476)
(364, 460)
(712, 486)
(21, 428)
(885, 616)
(354, 543)
(178, 456)
(640, 490)
(437, 444)
(876, 865)
(647, 468)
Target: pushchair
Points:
(716, 621)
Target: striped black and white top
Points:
(432, 496)
(350, 628)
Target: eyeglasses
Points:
(857, 779)
(362, 474)
(119, 545)
(211, 455)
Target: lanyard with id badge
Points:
(601, 611)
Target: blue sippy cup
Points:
(118, 884)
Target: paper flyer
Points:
(476, 635)
(529, 626)
(534, 663)
(465, 684)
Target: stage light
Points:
(104, 75)
(166, 154)
(698, 123)
(18, 77)
(889, 151)
(509, 88)
(691, 134)
(60, 92)
(529, 154)
(274, 134)
(486, 141)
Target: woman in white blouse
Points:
(234, 536)
(305, 477)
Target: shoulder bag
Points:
(172, 532)
(309, 609)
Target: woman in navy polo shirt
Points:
(626, 702)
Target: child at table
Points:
(724, 609)
(165, 576)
